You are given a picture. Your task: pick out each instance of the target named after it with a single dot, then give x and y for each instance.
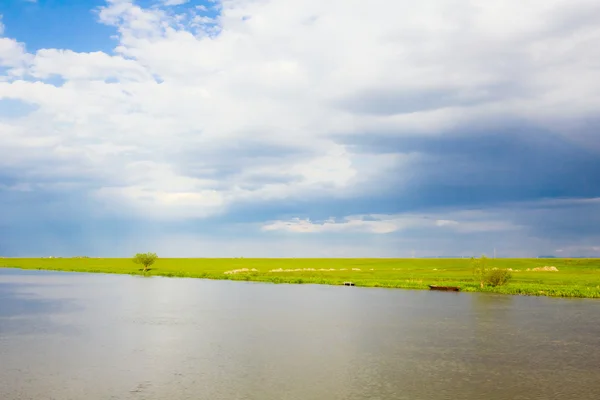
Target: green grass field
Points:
(575, 277)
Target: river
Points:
(96, 337)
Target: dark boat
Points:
(446, 288)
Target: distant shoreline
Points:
(574, 277)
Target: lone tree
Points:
(146, 259)
(480, 269)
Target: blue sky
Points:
(300, 128)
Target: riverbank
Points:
(567, 278)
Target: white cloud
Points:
(293, 74)
(13, 56)
(174, 2)
(86, 66)
(462, 222)
(445, 222)
(350, 224)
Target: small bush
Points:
(489, 276)
(498, 277)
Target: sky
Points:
(300, 128)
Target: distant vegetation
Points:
(575, 277)
(145, 259)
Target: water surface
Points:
(92, 336)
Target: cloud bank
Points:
(262, 116)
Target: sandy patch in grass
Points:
(546, 268)
(240, 271)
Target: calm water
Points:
(87, 336)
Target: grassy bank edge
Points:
(568, 291)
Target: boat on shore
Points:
(445, 288)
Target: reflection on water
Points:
(87, 336)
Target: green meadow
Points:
(574, 278)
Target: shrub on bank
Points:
(498, 277)
(489, 276)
